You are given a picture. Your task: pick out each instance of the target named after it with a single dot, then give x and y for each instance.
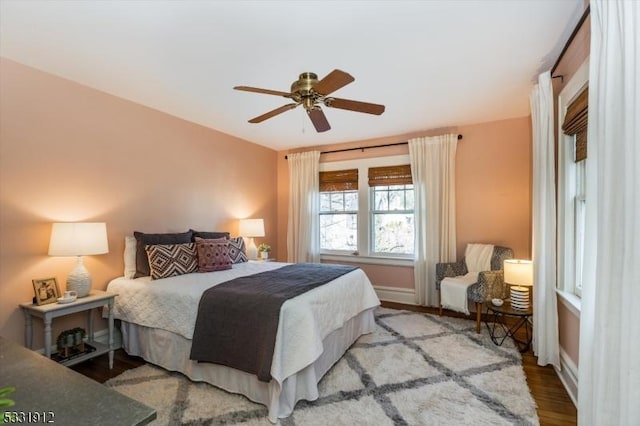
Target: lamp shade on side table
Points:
(78, 239)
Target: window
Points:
(579, 205)
(572, 201)
(339, 220)
(339, 210)
(367, 210)
(392, 218)
(391, 210)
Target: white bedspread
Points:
(172, 304)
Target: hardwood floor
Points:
(554, 405)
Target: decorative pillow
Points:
(213, 255)
(209, 235)
(169, 260)
(237, 250)
(129, 256)
(143, 240)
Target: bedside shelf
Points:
(96, 299)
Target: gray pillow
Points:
(209, 235)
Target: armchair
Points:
(490, 284)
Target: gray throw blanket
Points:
(238, 320)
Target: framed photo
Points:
(47, 290)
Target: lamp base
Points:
(79, 279)
(520, 298)
(252, 250)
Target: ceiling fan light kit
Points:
(310, 92)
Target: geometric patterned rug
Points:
(415, 369)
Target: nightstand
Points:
(96, 299)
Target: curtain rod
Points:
(365, 147)
(583, 18)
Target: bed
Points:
(314, 331)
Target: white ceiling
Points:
(432, 63)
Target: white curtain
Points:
(609, 376)
(303, 234)
(433, 167)
(546, 343)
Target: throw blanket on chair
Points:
(453, 290)
(237, 320)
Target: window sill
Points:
(373, 260)
(571, 301)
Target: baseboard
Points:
(101, 336)
(569, 376)
(406, 296)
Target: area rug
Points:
(415, 369)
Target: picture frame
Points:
(46, 290)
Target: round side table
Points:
(499, 328)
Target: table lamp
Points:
(519, 274)
(79, 239)
(250, 228)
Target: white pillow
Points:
(129, 256)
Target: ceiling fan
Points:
(310, 92)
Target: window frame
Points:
(569, 194)
(340, 212)
(364, 254)
(373, 212)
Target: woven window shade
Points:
(339, 180)
(576, 122)
(391, 175)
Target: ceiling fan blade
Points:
(265, 91)
(319, 120)
(270, 114)
(332, 82)
(354, 106)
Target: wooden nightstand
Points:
(96, 299)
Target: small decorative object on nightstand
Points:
(70, 344)
(264, 250)
(78, 239)
(46, 290)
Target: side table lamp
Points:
(79, 239)
(250, 228)
(519, 274)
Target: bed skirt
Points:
(171, 351)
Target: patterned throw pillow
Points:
(237, 250)
(143, 240)
(169, 260)
(213, 255)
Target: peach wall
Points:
(493, 187)
(71, 153)
(569, 330)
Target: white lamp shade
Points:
(252, 228)
(518, 272)
(78, 239)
